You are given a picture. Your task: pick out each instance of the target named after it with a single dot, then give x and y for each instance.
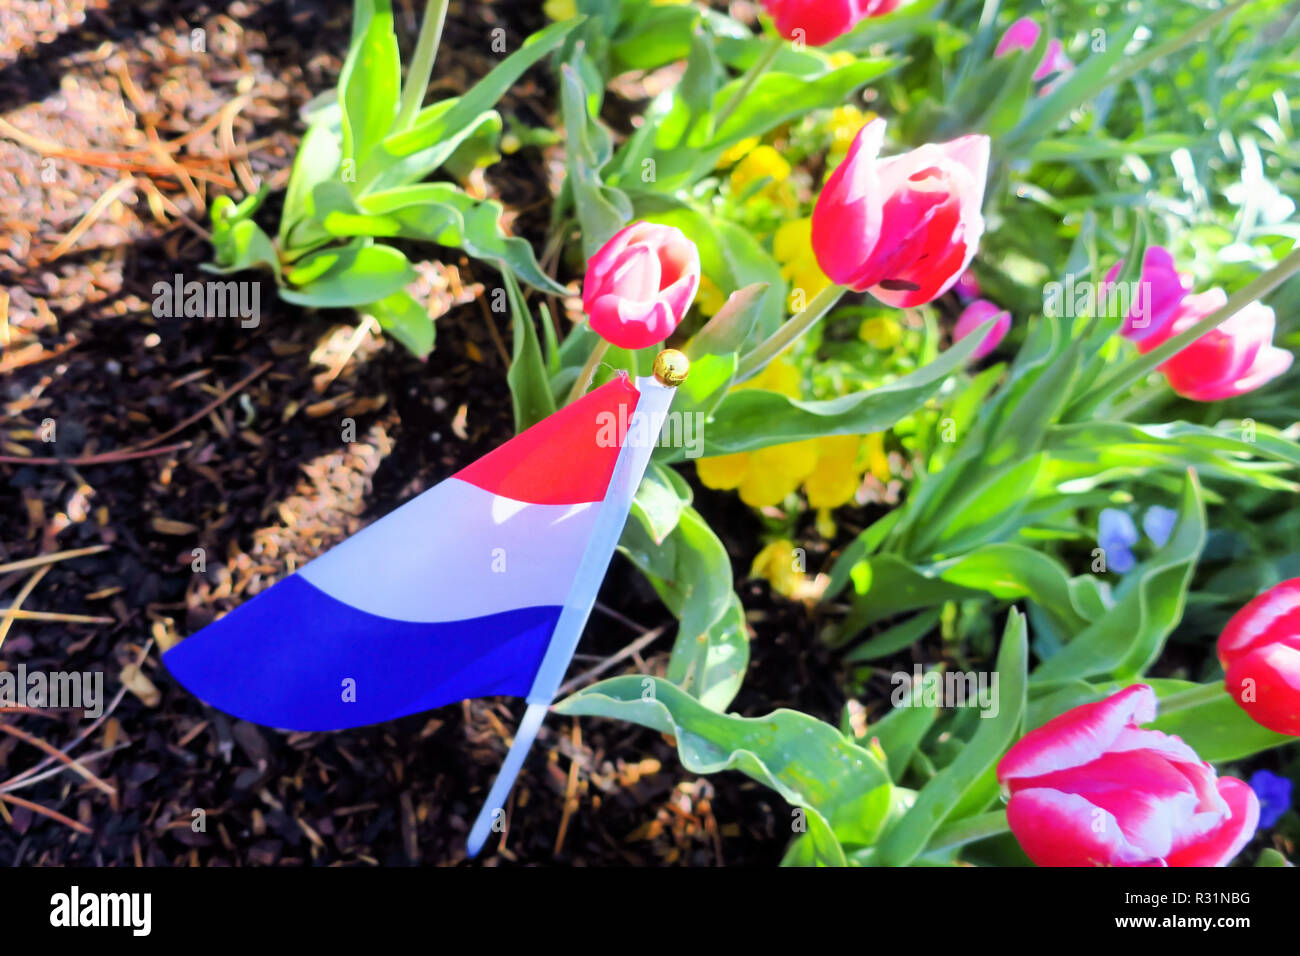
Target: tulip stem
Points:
(1191, 697)
(426, 50)
(969, 830)
(747, 82)
(782, 338)
(584, 377)
(1135, 371)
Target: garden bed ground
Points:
(229, 440)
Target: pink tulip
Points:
(975, 315)
(818, 22)
(640, 284)
(1023, 35)
(1090, 788)
(1161, 289)
(1237, 357)
(905, 228)
(1260, 650)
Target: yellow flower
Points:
(560, 9)
(737, 152)
(724, 472)
(792, 248)
(781, 375)
(710, 299)
(836, 477)
(763, 478)
(761, 163)
(876, 457)
(841, 59)
(779, 563)
(825, 523)
(880, 332)
(775, 473)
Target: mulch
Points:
(200, 461)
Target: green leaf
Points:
(950, 836)
(1089, 148)
(480, 149)
(652, 35)
(691, 572)
(351, 276)
(749, 419)
(894, 639)
(241, 246)
(729, 329)
(369, 86)
(817, 847)
(445, 214)
(660, 499)
(986, 509)
(888, 584)
(402, 317)
(318, 160)
(1088, 448)
(711, 666)
(808, 762)
(938, 798)
(437, 133)
(901, 730)
(530, 393)
(1002, 570)
(1271, 857)
(407, 157)
(1214, 725)
(602, 209)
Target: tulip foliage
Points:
(359, 178)
(974, 303)
(1012, 462)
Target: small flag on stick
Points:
(479, 586)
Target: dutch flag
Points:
(479, 586)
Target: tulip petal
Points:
(1266, 684)
(1065, 829)
(1269, 617)
(846, 220)
(975, 315)
(1148, 796)
(1021, 35)
(1160, 291)
(815, 22)
(1219, 846)
(1078, 736)
(603, 263)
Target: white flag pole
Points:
(642, 436)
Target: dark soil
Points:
(171, 435)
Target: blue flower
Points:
(1116, 535)
(1274, 794)
(1159, 523)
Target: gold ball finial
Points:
(671, 367)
